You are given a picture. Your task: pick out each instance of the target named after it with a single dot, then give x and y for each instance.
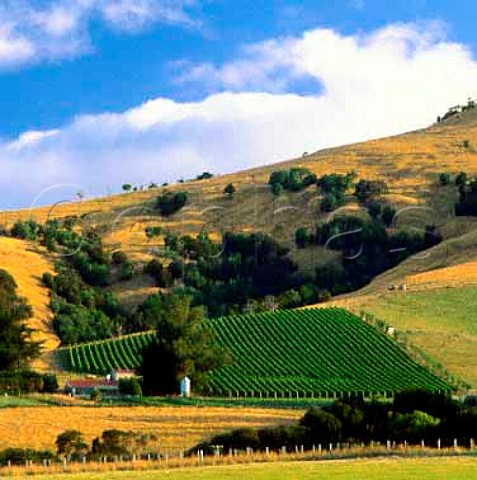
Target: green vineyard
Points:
(103, 356)
(314, 352)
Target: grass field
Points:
(390, 469)
(440, 321)
(177, 428)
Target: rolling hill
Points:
(408, 163)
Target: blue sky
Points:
(88, 85)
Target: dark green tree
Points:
(16, 345)
(184, 345)
(130, 386)
(71, 444)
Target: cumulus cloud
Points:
(33, 31)
(369, 85)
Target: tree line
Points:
(413, 416)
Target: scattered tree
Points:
(229, 190)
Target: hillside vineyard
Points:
(290, 353)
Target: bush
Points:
(229, 190)
(28, 230)
(277, 189)
(130, 386)
(162, 275)
(367, 190)
(50, 383)
(119, 258)
(445, 178)
(23, 381)
(295, 179)
(114, 443)
(205, 176)
(414, 427)
(323, 427)
(70, 444)
(440, 405)
(19, 456)
(169, 203)
(460, 179)
(95, 396)
(375, 209)
(388, 214)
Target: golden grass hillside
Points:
(27, 264)
(409, 163)
(177, 428)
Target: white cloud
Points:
(27, 139)
(388, 81)
(59, 29)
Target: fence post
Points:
(267, 451)
(438, 444)
(455, 443)
(423, 444)
(471, 443)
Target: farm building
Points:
(118, 374)
(85, 387)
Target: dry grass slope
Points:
(27, 264)
(177, 428)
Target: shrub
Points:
(387, 215)
(19, 456)
(27, 230)
(445, 178)
(323, 426)
(277, 189)
(71, 444)
(162, 275)
(205, 176)
(414, 427)
(460, 179)
(50, 383)
(229, 190)
(367, 190)
(95, 396)
(169, 203)
(130, 386)
(119, 258)
(375, 209)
